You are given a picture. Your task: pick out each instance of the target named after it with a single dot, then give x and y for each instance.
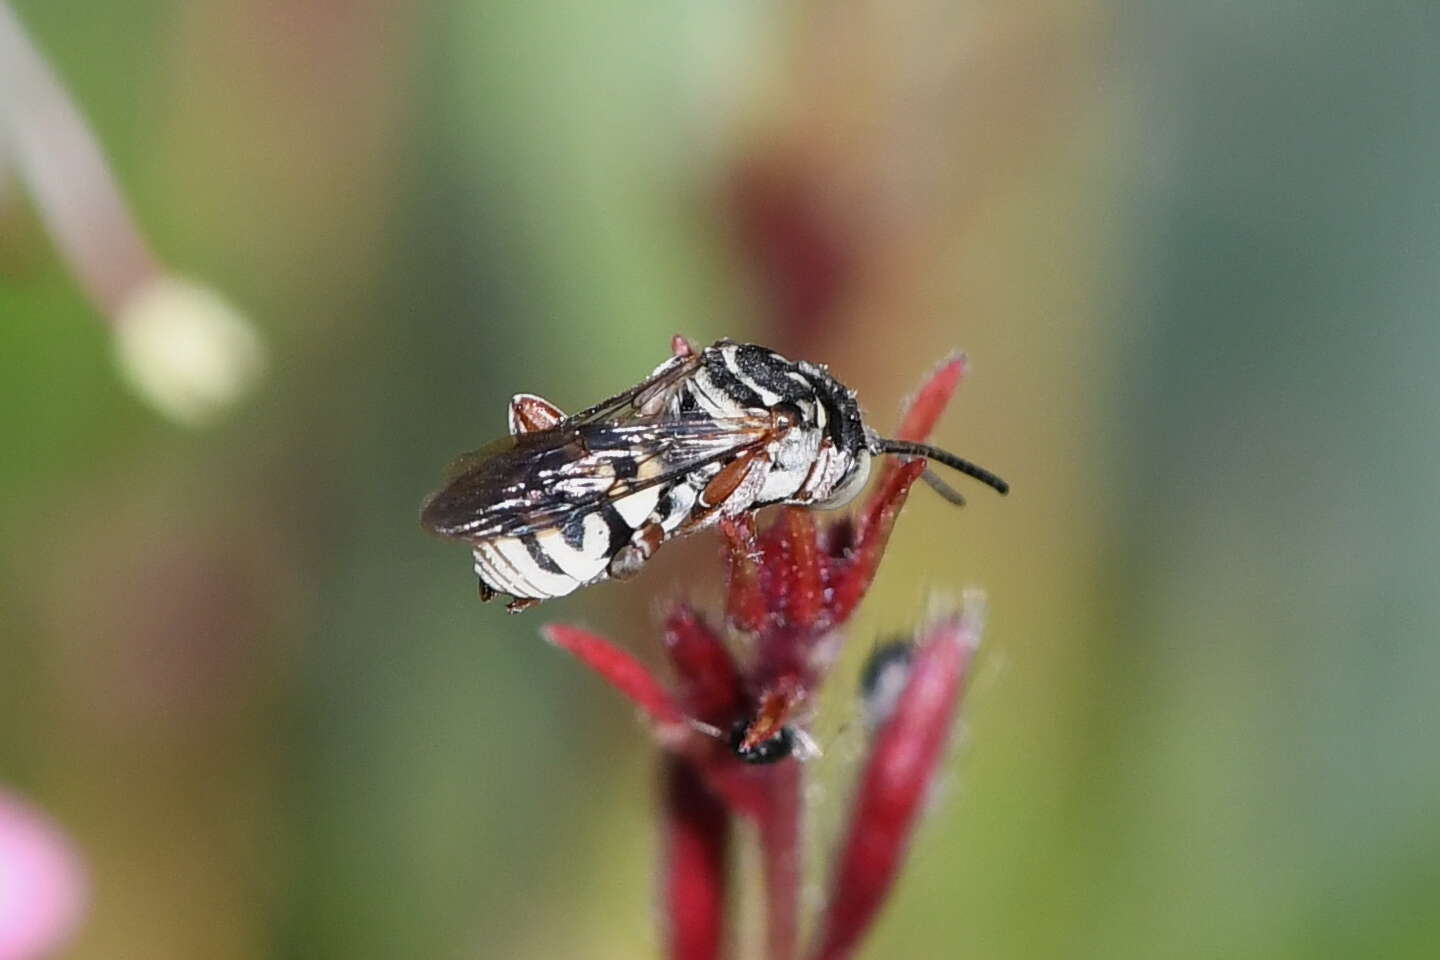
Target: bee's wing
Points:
(646, 399)
(469, 460)
(538, 481)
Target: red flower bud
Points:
(904, 758)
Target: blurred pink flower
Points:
(42, 884)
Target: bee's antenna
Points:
(938, 484)
(906, 448)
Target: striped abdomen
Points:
(556, 562)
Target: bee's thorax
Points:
(819, 456)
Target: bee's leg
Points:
(487, 593)
(521, 604)
(735, 486)
(631, 557)
(529, 413)
(727, 493)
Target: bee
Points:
(566, 501)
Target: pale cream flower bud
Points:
(186, 350)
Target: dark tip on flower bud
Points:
(777, 746)
(883, 680)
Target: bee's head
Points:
(847, 438)
(853, 469)
(853, 445)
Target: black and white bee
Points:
(567, 501)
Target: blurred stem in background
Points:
(181, 346)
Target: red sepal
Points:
(706, 673)
(619, 669)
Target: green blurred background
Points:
(1193, 250)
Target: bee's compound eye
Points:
(849, 483)
(776, 747)
(787, 415)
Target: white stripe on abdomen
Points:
(636, 508)
(589, 560)
(507, 567)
